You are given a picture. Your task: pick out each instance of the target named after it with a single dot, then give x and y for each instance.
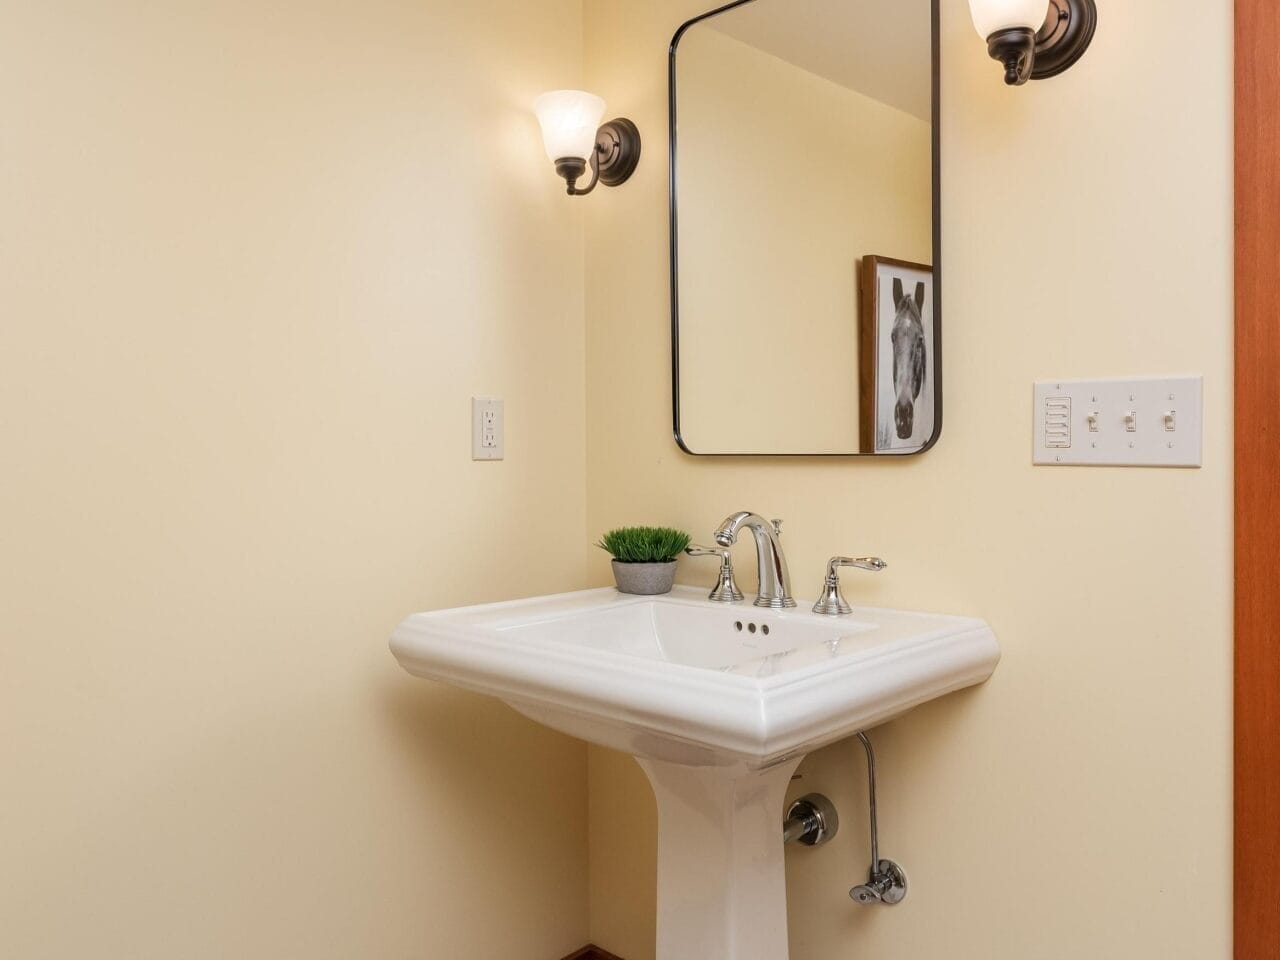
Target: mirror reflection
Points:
(803, 228)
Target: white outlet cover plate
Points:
(1065, 436)
(488, 428)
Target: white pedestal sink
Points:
(719, 703)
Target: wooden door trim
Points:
(1257, 487)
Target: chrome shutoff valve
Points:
(887, 883)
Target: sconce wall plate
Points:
(617, 151)
(1065, 36)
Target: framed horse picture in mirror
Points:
(898, 399)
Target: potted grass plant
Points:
(644, 558)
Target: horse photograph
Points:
(897, 342)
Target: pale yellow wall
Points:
(254, 260)
(1077, 805)
(759, 263)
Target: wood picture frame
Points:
(909, 425)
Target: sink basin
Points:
(681, 679)
(719, 703)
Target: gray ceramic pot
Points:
(644, 579)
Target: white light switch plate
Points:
(488, 428)
(1119, 423)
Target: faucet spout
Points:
(775, 578)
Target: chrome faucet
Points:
(775, 580)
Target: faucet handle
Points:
(831, 603)
(726, 590)
(777, 527)
(697, 550)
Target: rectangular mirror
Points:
(804, 228)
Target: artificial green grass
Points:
(644, 544)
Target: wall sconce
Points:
(1030, 45)
(575, 139)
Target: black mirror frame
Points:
(675, 246)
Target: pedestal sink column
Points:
(721, 880)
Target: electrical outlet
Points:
(488, 429)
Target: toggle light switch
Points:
(1138, 422)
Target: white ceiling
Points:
(880, 48)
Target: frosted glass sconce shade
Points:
(575, 139)
(1034, 41)
(992, 16)
(569, 119)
